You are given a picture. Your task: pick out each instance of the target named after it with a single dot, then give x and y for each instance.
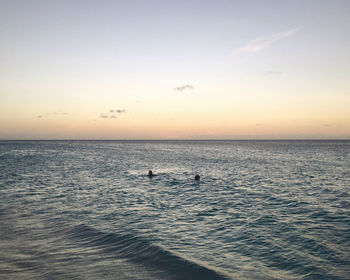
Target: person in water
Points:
(197, 177)
(150, 174)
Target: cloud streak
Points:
(58, 113)
(118, 111)
(104, 116)
(261, 43)
(112, 114)
(184, 87)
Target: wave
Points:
(136, 250)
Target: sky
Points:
(174, 69)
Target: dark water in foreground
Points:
(262, 210)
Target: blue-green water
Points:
(87, 210)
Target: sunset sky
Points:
(174, 69)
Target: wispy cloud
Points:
(112, 114)
(184, 87)
(261, 43)
(118, 111)
(52, 114)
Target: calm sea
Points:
(261, 210)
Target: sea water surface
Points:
(87, 210)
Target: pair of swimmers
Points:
(150, 174)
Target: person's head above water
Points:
(197, 177)
(150, 173)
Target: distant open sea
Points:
(261, 210)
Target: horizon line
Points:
(178, 139)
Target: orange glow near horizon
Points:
(200, 74)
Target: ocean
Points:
(88, 210)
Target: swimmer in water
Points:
(150, 174)
(197, 177)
